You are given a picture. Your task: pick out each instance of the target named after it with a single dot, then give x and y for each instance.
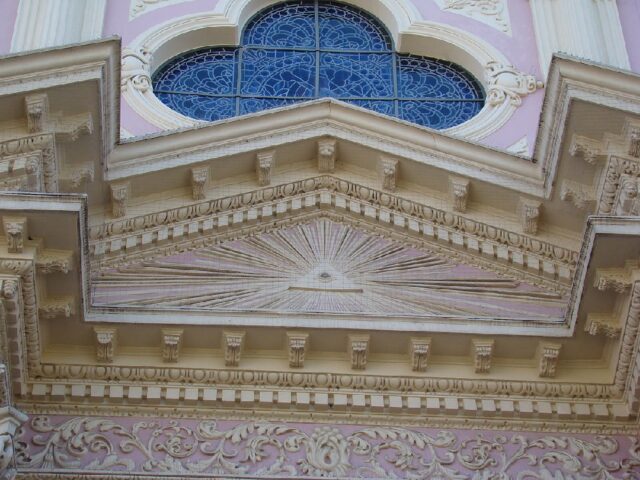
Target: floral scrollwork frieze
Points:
(281, 449)
(507, 83)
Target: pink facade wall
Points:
(207, 448)
(630, 20)
(8, 13)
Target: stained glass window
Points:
(304, 49)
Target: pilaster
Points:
(589, 29)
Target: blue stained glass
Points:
(381, 106)
(211, 71)
(280, 62)
(359, 75)
(251, 105)
(278, 73)
(438, 115)
(422, 77)
(347, 28)
(291, 24)
(200, 107)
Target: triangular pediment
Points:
(323, 266)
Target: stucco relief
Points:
(120, 445)
(322, 266)
(494, 13)
(140, 7)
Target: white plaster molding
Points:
(388, 173)
(119, 196)
(482, 352)
(46, 23)
(199, 179)
(106, 343)
(358, 351)
(171, 344)
(327, 154)
(505, 83)
(549, 354)
(584, 28)
(529, 212)
(398, 15)
(15, 231)
(140, 7)
(494, 13)
(232, 346)
(459, 192)
(419, 350)
(618, 280)
(265, 163)
(520, 148)
(297, 346)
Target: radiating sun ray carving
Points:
(323, 266)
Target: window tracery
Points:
(300, 50)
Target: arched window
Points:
(300, 50)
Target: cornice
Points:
(314, 120)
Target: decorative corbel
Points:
(359, 351)
(388, 173)
(297, 343)
(549, 353)
(57, 307)
(529, 215)
(586, 148)
(37, 106)
(171, 344)
(15, 230)
(582, 196)
(54, 261)
(459, 191)
(81, 174)
(232, 344)
(482, 353)
(616, 279)
(199, 179)
(106, 343)
(419, 350)
(265, 163)
(605, 325)
(506, 82)
(327, 153)
(119, 196)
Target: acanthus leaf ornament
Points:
(98, 445)
(492, 12)
(136, 69)
(507, 83)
